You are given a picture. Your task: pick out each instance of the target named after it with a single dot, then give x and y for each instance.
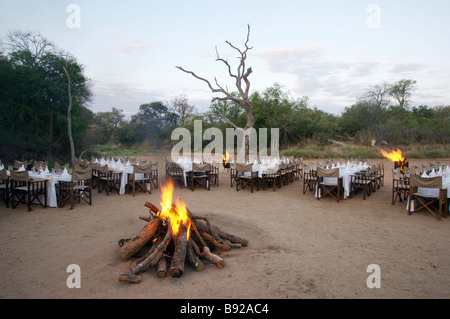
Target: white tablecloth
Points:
(345, 172)
(52, 181)
(434, 191)
(118, 166)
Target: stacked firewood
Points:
(157, 245)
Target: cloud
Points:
(131, 48)
(407, 67)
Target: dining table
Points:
(346, 170)
(120, 167)
(52, 182)
(442, 171)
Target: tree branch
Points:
(226, 119)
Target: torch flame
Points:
(225, 159)
(395, 155)
(177, 216)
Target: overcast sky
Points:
(331, 51)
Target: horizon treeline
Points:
(34, 100)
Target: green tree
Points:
(401, 91)
(34, 99)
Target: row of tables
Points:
(53, 178)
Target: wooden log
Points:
(154, 211)
(222, 234)
(193, 259)
(179, 253)
(212, 240)
(137, 242)
(151, 260)
(162, 267)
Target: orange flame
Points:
(225, 159)
(395, 155)
(177, 216)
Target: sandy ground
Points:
(299, 247)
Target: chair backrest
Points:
(82, 162)
(407, 172)
(82, 173)
(201, 167)
(40, 165)
(142, 169)
(59, 168)
(424, 168)
(396, 174)
(103, 169)
(307, 168)
(3, 174)
(333, 172)
(18, 164)
(244, 167)
(426, 182)
(21, 176)
(143, 162)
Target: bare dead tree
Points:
(180, 106)
(378, 94)
(242, 84)
(31, 42)
(69, 117)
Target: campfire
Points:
(397, 157)
(225, 163)
(173, 236)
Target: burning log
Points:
(168, 231)
(132, 246)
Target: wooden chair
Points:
(4, 187)
(430, 194)
(155, 174)
(27, 190)
(245, 177)
(215, 173)
(104, 179)
(232, 168)
(298, 162)
(60, 168)
(331, 186)
(200, 176)
(309, 178)
(175, 172)
(271, 178)
(400, 186)
(40, 165)
(142, 182)
(18, 164)
(362, 181)
(79, 188)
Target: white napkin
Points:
(1, 166)
(42, 174)
(21, 168)
(46, 170)
(424, 174)
(432, 173)
(65, 173)
(128, 164)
